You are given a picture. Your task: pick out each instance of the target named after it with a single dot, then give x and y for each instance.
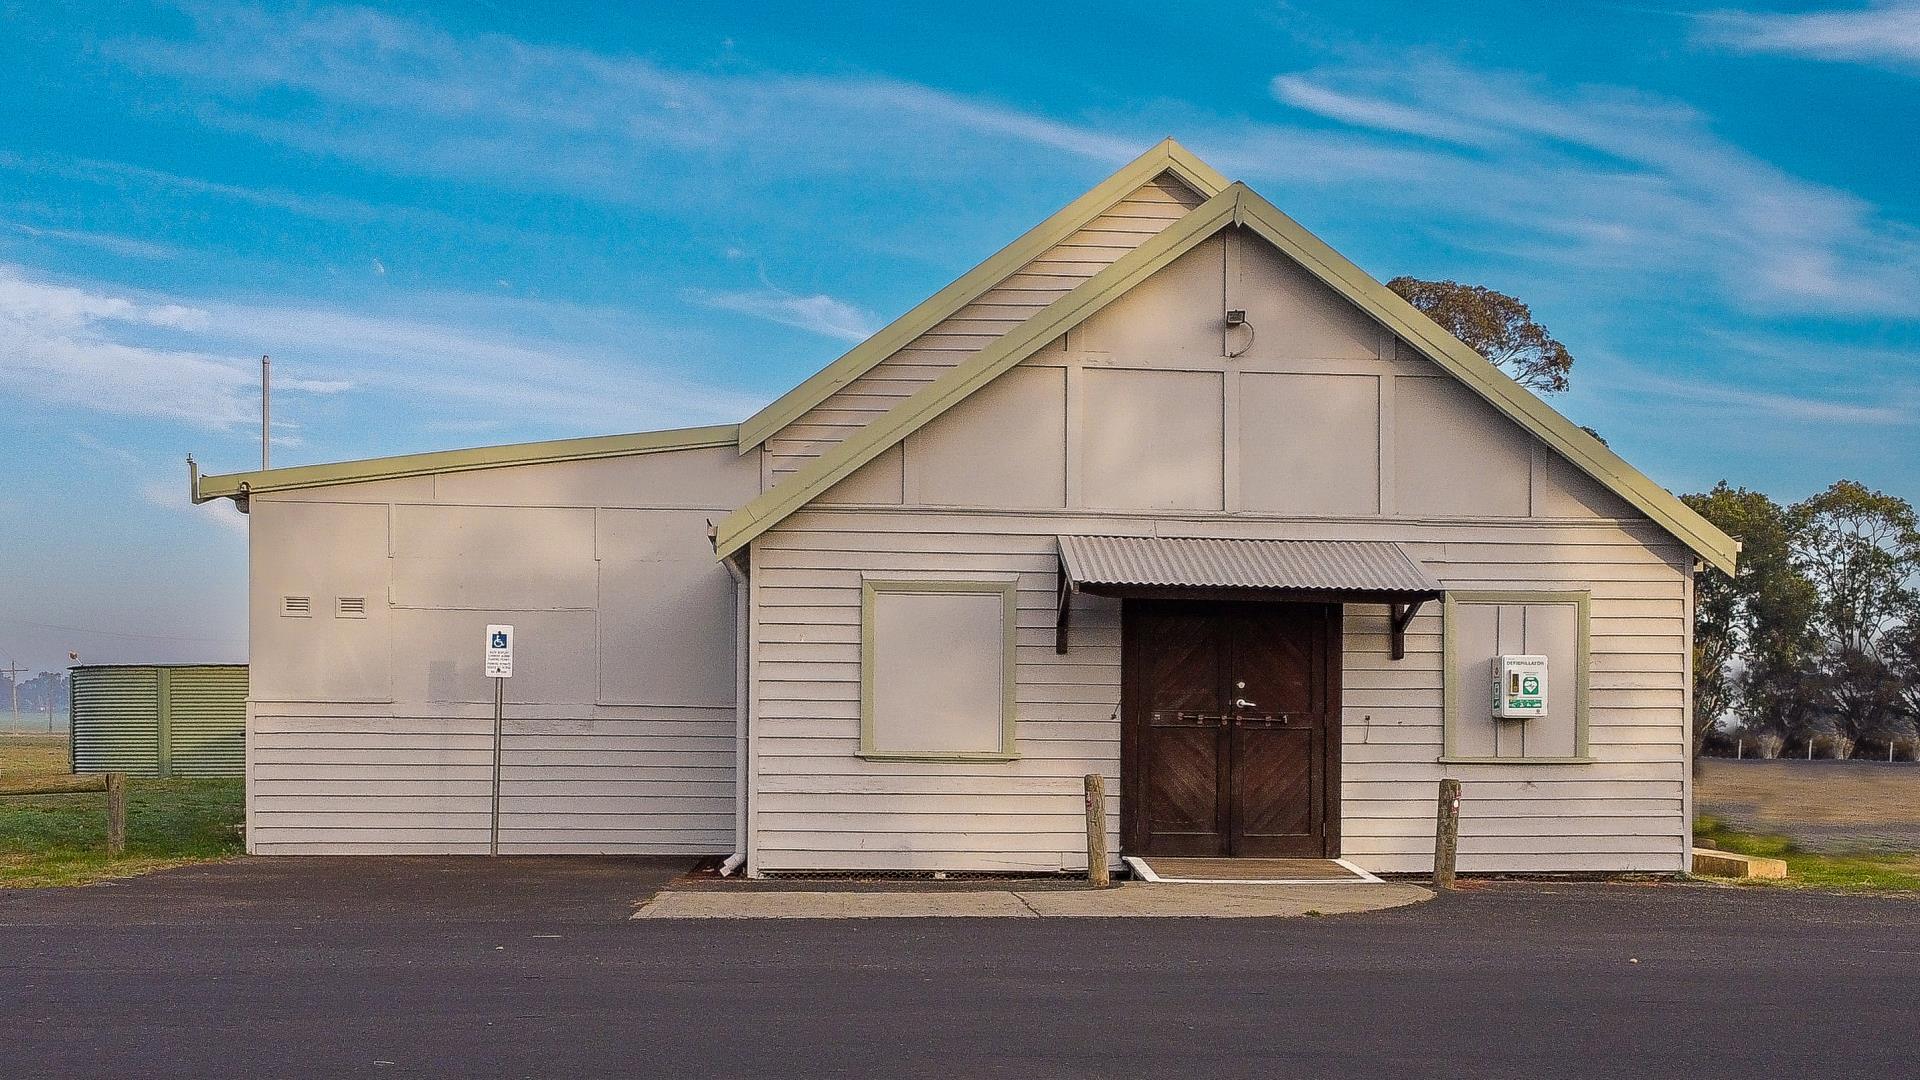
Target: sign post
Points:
(499, 668)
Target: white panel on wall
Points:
(877, 483)
(1152, 440)
(1310, 444)
(1454, 455)
(1476, 629)
(493, 557)
(319, 552)
(666, 611)
(938, 684)
(1004, 446)
(1176, 314)
(1553, 631)
(553, 656)
(1294, 316)
(1563, 489)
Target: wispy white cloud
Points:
(122, 174)
(1715, 397)
(92, 348)
(362, 85)
(1380, 114)
(170, 493)
(816, 314)
(104, 348)
(108, 242)
(1885, 33)
(1598, 179)
(1601, 178)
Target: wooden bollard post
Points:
(1446, 834)
(1097, 830)
(116, 814)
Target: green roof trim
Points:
(1166, 157)
(1236, 205)
(240, 485)
(1496, 386)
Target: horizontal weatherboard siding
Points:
(819, 807)
(334, 784)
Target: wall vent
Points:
(352, 607)
(296, 607)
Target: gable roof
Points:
(1166, 157)
(1235, 205)
(240, 485)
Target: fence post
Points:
(116, 814)
(1446, 834)
(1097, 829)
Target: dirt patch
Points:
(1828, 806)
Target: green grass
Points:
(1807, 869)
(62, 839)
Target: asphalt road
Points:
(529, 967)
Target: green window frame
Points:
(1450, 690)
(870, 590)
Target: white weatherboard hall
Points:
(1166, 490)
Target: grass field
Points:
(1838, 824)
(62, 839)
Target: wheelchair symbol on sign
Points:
(499, 640)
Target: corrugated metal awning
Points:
(1120, 564)
(1319, 571)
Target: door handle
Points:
(1243, 703)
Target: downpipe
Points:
(732, 863)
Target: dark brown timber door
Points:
(1230, 728)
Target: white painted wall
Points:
(1139, 423)
(374, 735)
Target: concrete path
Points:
(1130, 900)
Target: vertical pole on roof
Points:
(266, 410)
(499, 702)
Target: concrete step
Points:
(1726, 864)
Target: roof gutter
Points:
(238, 486)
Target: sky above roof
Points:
(538, 221)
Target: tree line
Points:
(1815, 642)
(48, 687)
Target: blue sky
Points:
(507, 222)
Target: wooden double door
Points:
(1230, 729)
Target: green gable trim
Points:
(1167, 157)
(239, 485)
(1499, 389)
(1236, 205)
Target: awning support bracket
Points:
(1064, 610)
(1399, 617)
